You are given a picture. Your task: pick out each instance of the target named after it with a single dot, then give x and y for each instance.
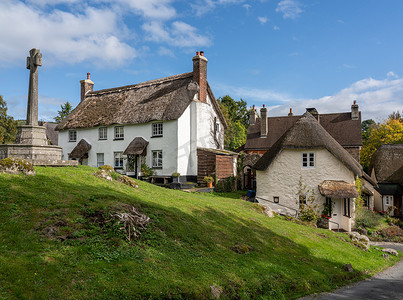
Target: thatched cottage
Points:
(264, 131)
(387, 167)
(308, 163)
(163, 123)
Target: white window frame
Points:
(72, 135)
(157, 159)
(308, 160)
(388, 199)
(102, 133)
(157, 129)
(118, 160)
(119, 133)
(100, 159)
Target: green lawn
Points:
(55, 243)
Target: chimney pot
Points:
(263, 105)
(197, 52)
(88, 75)
(202, 53)
(290, 114)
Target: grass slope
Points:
(51, 245)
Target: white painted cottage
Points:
(162, 123)
(307, 161)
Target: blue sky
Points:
(282, 53)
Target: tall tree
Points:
(66, 109)
(8, 127)
(366, 127)
(388, 132)
(237, 116)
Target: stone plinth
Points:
(31, 152)
(31, 135)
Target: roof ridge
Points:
(140, 84)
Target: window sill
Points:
(156, 167)
(118, 139)
(118, 168)
(156, 136)
(102, 139)
(72, 141)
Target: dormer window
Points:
(102, 133)
(157, 129)
(308, 160)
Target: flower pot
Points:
(209, 184)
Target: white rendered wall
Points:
(187, 155)
(281, 178)
(205, 126)
(167, 143)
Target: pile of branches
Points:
(132, 222)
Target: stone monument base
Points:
(31, 135)
(44, 155)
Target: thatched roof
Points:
(337, 189)
(249, 159)
(161, 99)
(81, 149)
(137, 146)
(387, 162)
(340, 126)
(307, 133)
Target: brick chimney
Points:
(355, 114)
(200, 74)
(263, 122)
(290, 114)
(253, 116)
(86, 86)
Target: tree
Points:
(8, 127)
(237, 116)
(396, 116)
(366, 127)
(64, 112)
(389, 132)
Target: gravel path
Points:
(384, 285)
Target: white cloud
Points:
(92, 35)
(347, 66)
(202, 7)
(290, 9)
(262, 20)
(247, 6)
(376, 98)
(154, 9)
(276, 28)
(179, 34)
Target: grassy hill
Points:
(57, 240)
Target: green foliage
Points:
(308, 212)
(176, 174)
(18, 164)
(208, 179)
(366, 127)
(366, 218)
(146, 170)
(66, 109)
(389, 132)
(236, 115)
(226, 185)
(8, 127)
(359, 201)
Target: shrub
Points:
(208, 179)
(308, 213)
(176, 174)
(367, 219)
(226, 185)
(146, 170)
(392, 233)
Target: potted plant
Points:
(175, 176)
(209, 180)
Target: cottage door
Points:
(337, 213)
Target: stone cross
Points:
(33, 62)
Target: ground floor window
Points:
(302, 198)
(347, 207)
(328, 207)
(100, 159)
(157, 159)
(118, 159)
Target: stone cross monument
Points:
(33, 62)
(31, 133)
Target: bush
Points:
(226, 185)
(367, 219)
(308, 213)
(146, 170)
(392, 233)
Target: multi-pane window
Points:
(388, 199)
(102, 133)
(308, 160)
(302, 198)
(100, 159)
(119, 133)
(118, 159)
(157, 159)
(72, 135)
(157, 129)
